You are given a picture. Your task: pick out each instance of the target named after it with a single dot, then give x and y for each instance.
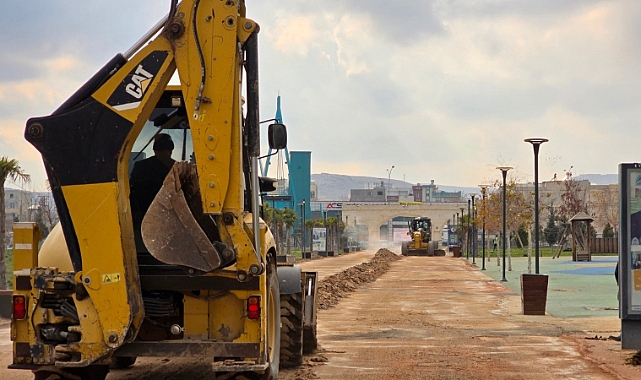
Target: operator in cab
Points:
(148, 176)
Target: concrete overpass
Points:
(375, 215)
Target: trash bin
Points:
(456, 251)
(534, 293)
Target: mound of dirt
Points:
(634, 359)
(333, 288)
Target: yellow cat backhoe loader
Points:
(194, 273)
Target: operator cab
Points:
(168, 117)
(418, 224)
(171, 118)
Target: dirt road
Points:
(440, 318)
(426, 318)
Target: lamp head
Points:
(536, 140)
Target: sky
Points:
(442, 90)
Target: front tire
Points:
(404, 249)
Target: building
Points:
(601, 201)
(431, 194)
(24, 206)
(418, 193)
(17, 202)
(377, 194)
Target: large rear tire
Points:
(404, 249)
(291, 333)
(273, 321)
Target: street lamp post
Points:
(303, 226)
(467, 230)
(483, 192)
(474, 237)
(460, 238)
(536, 144)
(449, 239)
(504, 170)
(389, 176)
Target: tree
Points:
(44, 214)
(9, 169)
(335, 228)
(277, 222)
(573, 199)
(268, 213)
(274, 218)
(608, 231)
(604, 204)
(289, 218)
(523, 238)
(518, 211)
(551, 232)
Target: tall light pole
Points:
(460, 238)
(304, 229)
(483, 192)
(536, 144)
(449, 239)
(474, 237)
(504, 170)
(467, 231)
(389, 176)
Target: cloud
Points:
(293, 34)
(400, 22)
(444, 90)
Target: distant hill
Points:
(336, 187)
(599, 179)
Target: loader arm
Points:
(204, 41)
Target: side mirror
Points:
(277, 136)
(267, 184)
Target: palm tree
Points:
(277, 221)
(9, 169)
(289, 218)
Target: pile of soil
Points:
(634, 359)
(333, 288)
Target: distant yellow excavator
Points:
(421, 244)
(196, 273)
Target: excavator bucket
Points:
(171, 231)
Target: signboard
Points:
(330, 206)
(630, 255)
(319, 239)
(452, 237)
